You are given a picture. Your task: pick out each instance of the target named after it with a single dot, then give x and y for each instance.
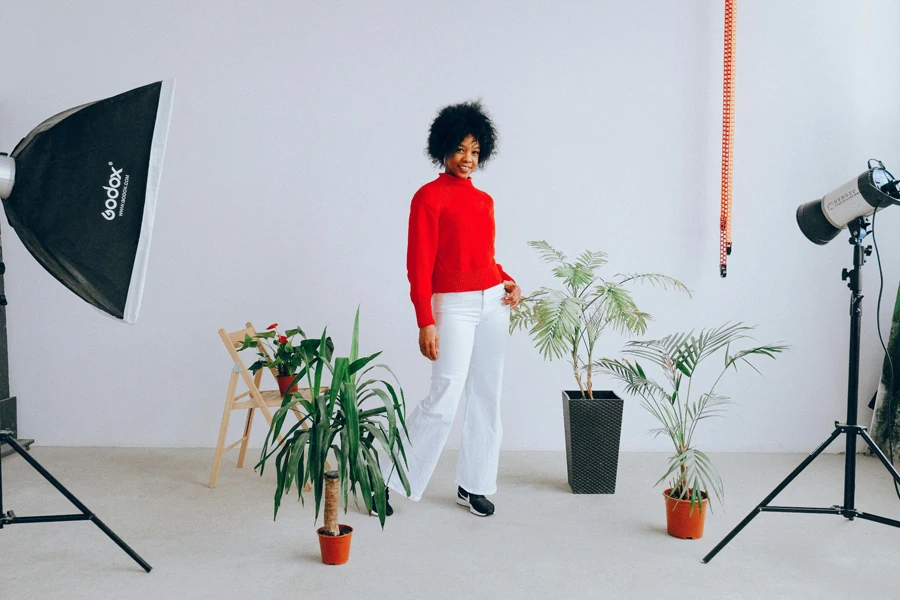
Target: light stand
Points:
(850, 429)
(64, 191)
(8, 406)
(10, 518)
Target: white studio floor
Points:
(544, 541)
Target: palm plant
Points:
(569, 321)
(336, 421)
(679, 357)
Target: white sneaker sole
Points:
(464, 502)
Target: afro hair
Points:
(453, 124)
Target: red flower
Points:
(282, 340)
(272, 326)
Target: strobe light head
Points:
(875, 188)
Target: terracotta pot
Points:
(284, 381)
(335, 548)
(683, 522)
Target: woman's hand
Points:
(428, 342)
(513, 293)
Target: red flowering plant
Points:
(276, 350)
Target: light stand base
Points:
(10, 518)
(6, 449)
(8, 412)
(843, 511)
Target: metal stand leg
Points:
(851, 429)
(9, 518)
(765, 503)
(877, 452)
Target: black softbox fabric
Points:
(85, 191)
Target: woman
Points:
(462, 299)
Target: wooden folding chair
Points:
(252, 399)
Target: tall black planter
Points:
(593, 431)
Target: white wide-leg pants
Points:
(472, 328)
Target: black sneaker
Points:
(388, 511)
(478, 505)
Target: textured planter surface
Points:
(593, 431)
(682, 521)
(335, 549)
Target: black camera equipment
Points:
(80, 191)
(821, 221)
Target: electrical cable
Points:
(889, 386)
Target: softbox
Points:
(82, 189)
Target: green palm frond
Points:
(686, 350)
(741, 356)
(592, 260)
(711, 341)
(547, 252)
(569, 321)
(655, 279)
(695, 475)
(522, 316)
(619, 309)
(556, 320)
(576, 277)
(632, 375)
(678, 357)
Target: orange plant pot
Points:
(682, 521)
(335, 548)
(284, 381)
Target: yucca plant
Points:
(670, 400)
(569, 321)
(337, 420)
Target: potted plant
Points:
(567, 322)
(337, 420)
(680, 409)
(277, 351)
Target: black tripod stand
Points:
(850, 429)
(10, 518)
(7, 437)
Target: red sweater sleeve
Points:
(420, 256)
(506, 276)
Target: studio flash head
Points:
(875, 188)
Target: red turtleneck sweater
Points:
(451, 242)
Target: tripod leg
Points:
(84, 509)
(877, 452)
(3, 438)
(772, 495)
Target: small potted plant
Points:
(670, 401)
(360, 437)
(567, 322)
(277, 351)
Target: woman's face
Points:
(464, 161)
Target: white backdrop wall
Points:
(297, 141)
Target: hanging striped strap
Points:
(727, 137)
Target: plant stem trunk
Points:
(590, 381)
(332, 489)
(577, 374)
